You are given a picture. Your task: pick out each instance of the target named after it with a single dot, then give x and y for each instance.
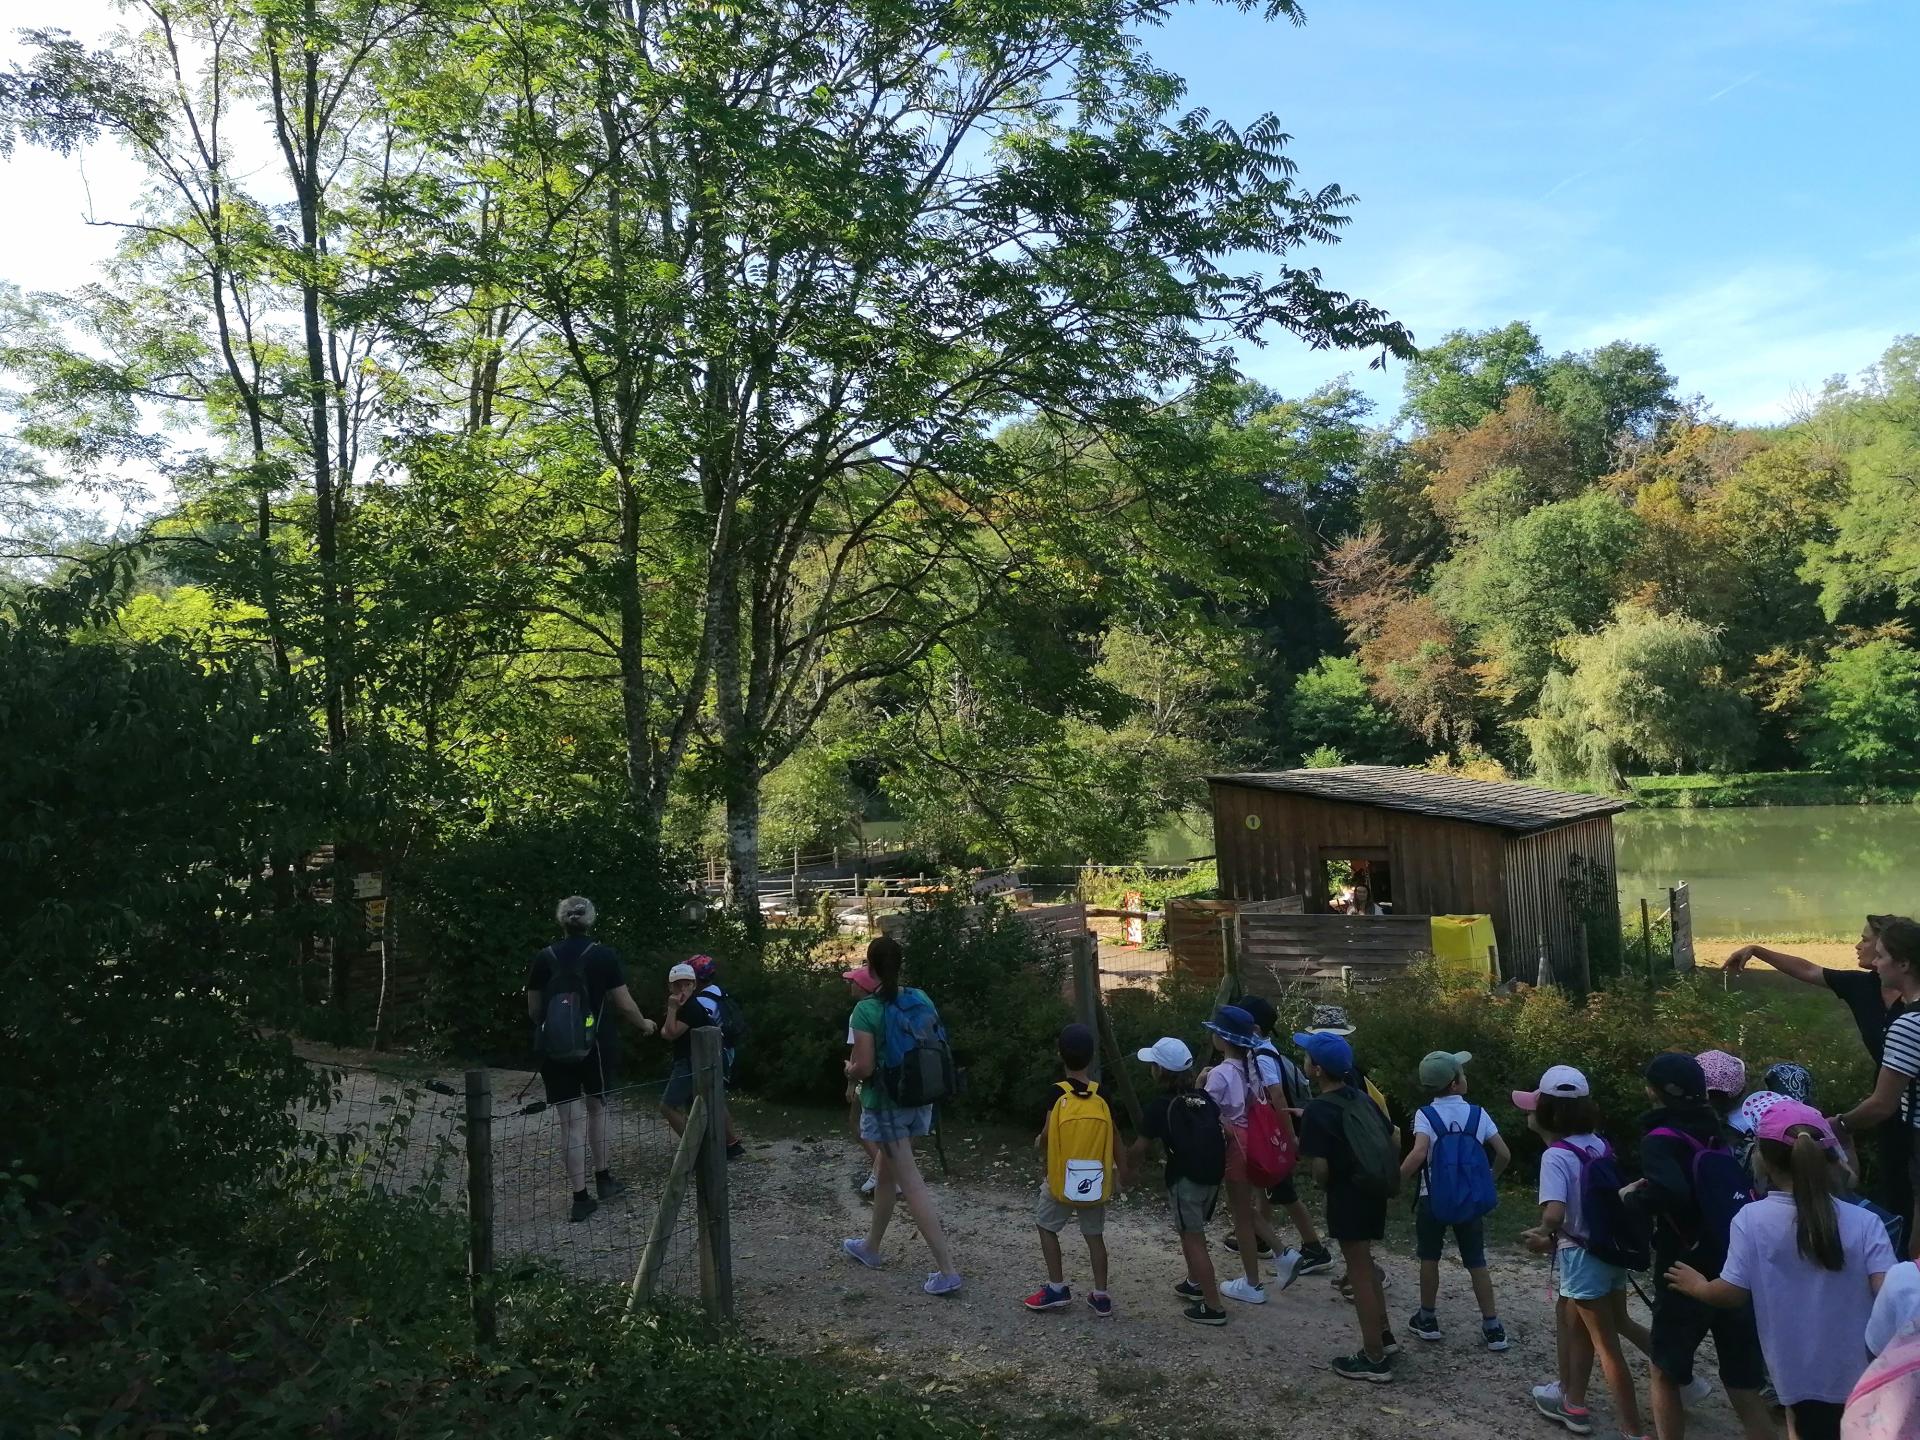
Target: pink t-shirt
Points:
(1227, 1084)
(1813, 1321)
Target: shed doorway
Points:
(1355, 874)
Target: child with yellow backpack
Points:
(1081, 1175)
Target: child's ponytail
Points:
(1805, 1163)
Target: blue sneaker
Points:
(1101, 1305)
(940, 1283)
(858, 1250)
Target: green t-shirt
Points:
(870, 1015)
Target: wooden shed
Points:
(1425, 844)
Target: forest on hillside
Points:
(567, 452)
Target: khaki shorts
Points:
(1192, 1205)
(1052, 1216)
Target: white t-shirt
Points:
(1560, 1180)
(1453, 1111)
(1898, 1305)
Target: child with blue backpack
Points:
(1693, 1187)
(1585, 1227)
(1457, 1153)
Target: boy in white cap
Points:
(1186, 1121)
(1458, 1155)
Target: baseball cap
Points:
(1561, 1081)
(1169, 1054)
(1725, 1073)
(1777, 1120)
(682, 971)
(1677, 1076)
(861, 977)
(1442, 1067)
(1331, 1053)
(1077, 1043)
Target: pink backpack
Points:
(1885, 1405)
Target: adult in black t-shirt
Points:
(1877, 993)
(578, 1090)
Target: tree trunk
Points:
(743, 843)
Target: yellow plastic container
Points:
(1465, 945)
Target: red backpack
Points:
(1272, 1150)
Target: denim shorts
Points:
(883, 1127)
(1430, 1238)
(1584, 1278)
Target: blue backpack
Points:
(916, 1062)
(1615, 1232)
(1722, 1187)
(1459, 1175)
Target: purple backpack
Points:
(1615, 1233)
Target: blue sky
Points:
(1730, 182)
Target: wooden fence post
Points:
(710, 1177)
(1646, 940)
(1122, 1079)
(672, 1196)
(1086, 989)
(480, 1202)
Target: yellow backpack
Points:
(1080, 1146)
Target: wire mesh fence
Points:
(410, 1137)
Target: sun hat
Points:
(862, 978)
(682, 971)
(1725, 1073)
(1677, 1076)
(1169, 1054)
(1758, 1104)
(1235, 1026)
(1561, 1081)
(1791, 1080)
(1441, 1068)
(1330, 1052)
(703, 966)
(1261, 1009)
(1790, 1115)
(1329, 1020)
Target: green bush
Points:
(480, 907)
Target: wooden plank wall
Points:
(1277, 950)
(1536, 908)
(1194, 936)
(1439, 867)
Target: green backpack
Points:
(1375, 1173)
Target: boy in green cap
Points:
(1457, 1153)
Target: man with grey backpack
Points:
(572, 986)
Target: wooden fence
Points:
(1198, 931)
(1276, 950)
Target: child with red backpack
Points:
(1588, 1231)
(1081, 1178)
(1457, 1154)
(1261, 1147)
(1693, 1187)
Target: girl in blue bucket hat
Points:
(1229, 1080)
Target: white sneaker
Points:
(867, 1186)
(1244, 1290)
(1286, 1267)
(1696, 1391)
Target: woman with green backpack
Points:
(904, 1067)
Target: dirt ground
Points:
(1833, 954)
(1146, 1371)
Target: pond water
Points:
(1804, 870)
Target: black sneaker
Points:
(583, 1206)
(1424, 1326)
(1314, 1259)
(609, 1188)
(1359, 1367)
(1494, 1333)
(736, 1151)
(1201, 1314)
(1187, 1290)
(1388, 1345)
(1265, 1250)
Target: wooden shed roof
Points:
(1499, 803)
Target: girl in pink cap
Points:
(1812, 1267)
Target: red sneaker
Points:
(1050, 1297)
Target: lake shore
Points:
(1767, 787)
(1711, 954)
